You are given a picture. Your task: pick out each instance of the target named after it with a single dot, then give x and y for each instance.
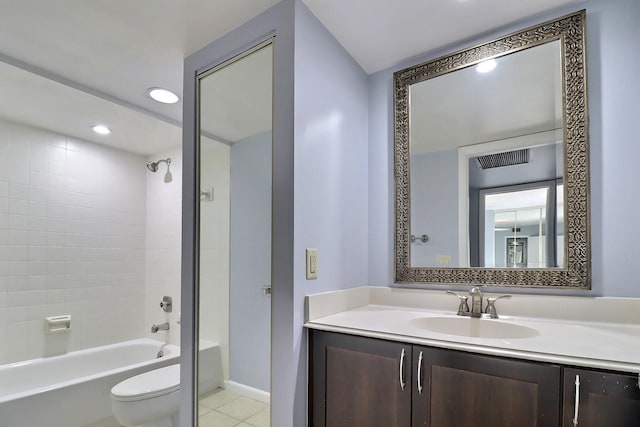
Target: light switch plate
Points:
(443, 259)
(312, 263)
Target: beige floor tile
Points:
(261, 419)
(203, 410)
(218, 398)
(216, 419)
(244, 425)
(242, 408)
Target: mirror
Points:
(235, 102)
(491, 163)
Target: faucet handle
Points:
(491, 306)
(167, 304)
(464, 306)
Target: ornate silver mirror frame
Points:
(570, 31)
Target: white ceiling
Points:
(42, 103)
(382, 33)
(236, 99)
(117, 49)
(521, 96)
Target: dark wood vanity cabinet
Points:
(605, 399)
(364, 382)
(458, 389)
(358, 382)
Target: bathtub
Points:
(73, 390)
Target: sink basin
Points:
(476, 328)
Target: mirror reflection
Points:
(515, 227)
(486, 163)
(235, 110)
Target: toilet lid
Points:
(149, 384)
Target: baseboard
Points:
(107, 422)
(250, 392)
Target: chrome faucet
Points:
(476, 302)
(161, 327)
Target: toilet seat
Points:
(148, 385)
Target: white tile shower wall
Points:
(72, 239)
(163, 243)
(214, 248)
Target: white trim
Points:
(492, 147)
(250, 392)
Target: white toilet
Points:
(151, 399)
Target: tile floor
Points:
(223, 408)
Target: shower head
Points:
(153, 167)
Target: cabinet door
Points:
(458, 389)
(358, 382)
(606, 400)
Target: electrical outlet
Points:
(443, 259)
(312, 263)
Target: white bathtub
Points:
(74, 389)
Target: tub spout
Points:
(161, 327)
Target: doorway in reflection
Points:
(518, 224)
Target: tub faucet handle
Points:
(167, 304)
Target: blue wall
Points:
(250, 262)
(331, 189)
(613, 32)
(434, 207)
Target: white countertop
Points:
(600, 333)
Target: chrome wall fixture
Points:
(206, 195)
(153, 167)
(424, 238)
(167, 304)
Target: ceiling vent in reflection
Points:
(508, 158)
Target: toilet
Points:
(151, 399)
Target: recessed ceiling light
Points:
(163, 95)
(486, 66)
(101, 129)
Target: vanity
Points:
(402, 357)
